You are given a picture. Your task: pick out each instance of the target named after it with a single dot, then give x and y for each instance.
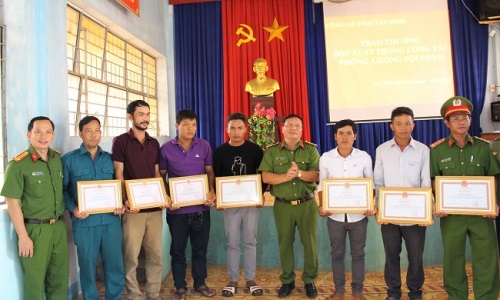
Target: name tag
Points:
(37, 173)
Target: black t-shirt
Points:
(236, 161)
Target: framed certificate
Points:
(188, 190)
(146, 193)
(347, 195)
(99, 196)
(239, 191)
(465, 195)
(405, 206)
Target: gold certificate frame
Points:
(99, 196)
(239, 191)
(188, 190)
(347, 195)
(405, 206)
(465, 195)
(146, 193)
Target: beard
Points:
(139, 127)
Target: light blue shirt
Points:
(78, 165)
(357, 165)
(407, 168)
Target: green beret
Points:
(456, 104)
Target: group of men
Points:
(39, 185)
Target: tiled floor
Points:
(269, 279)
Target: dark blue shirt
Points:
(78, 165)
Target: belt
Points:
(38, 221)
(296, 201)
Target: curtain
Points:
(213, 86)
(470, 56)
(198, 66)
(285, 57)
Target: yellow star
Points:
(276, 31)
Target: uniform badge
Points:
(457, 102)
(37, 173)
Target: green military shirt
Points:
(475, 159)
(38, 184)
(278, 159)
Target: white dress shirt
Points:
(407, 168)
(357, 165)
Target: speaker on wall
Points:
(487, 11)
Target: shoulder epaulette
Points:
(436, 143)
(272, 145)
(56, 151)
(481, 139)
(311, 143)
(21, 156)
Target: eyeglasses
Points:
(297, 126)
(459, 119)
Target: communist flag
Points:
(272, 30)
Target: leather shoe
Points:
(286, 289)
(311, 290)
(338, 296)
(358, 296)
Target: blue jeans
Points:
(196, 227)
(414, 236)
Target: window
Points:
(105, 73)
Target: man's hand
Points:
(370, 212)
(130, 211)
(293, 171)
(25, 246)
(492, 216)
(119, 211)
(210, 198)
(324, 213)
(80, 215)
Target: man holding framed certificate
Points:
(239, 157)
(95, 234)
(345, 161)
(136, 156)
(463, 155)
(183, 156)
(292, 169)
(402, 162)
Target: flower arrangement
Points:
(262, 126)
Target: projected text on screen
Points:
(384, 54)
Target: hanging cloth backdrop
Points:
(274, 31)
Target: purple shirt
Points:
(138, 159)
(178, 163)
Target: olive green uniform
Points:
(496, 152)
(278, 159)
(475, 159)
(39, 186)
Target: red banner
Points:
(133, 5)
(274, 31)
(172, 2)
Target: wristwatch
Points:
(300, 174)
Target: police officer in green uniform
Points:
(496, 153)
(292, 169)
(33, 188)
(463, 155)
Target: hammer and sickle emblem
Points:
(248, 34)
